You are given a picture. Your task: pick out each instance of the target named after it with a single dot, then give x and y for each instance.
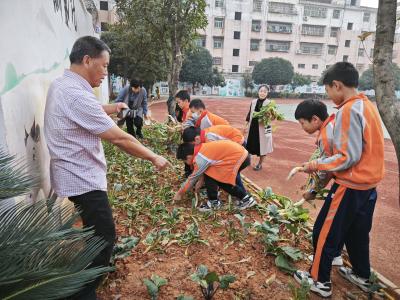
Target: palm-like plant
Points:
(40, 257)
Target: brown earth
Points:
(292, 146)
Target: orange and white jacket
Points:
(357, 159)
(220, 160)
(221, 132)
(205, 120)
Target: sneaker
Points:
(322, 289)
(246, 202)
(362, 283)
(337, 261)
(210, 205)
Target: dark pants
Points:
(131, 123)
(234, 190)
(345, 217)
(95, 211)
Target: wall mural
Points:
(32, 58)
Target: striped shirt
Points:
(72, 122)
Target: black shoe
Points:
(210, 205)
(246, 202)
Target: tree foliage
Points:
(300, 80)
(366, 81)
(41, 257)
(273, 71)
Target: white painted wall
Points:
(37, 37)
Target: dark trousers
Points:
(95, 212)
(131, 123)
(345, 217)
(234, 190)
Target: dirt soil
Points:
(293, 146)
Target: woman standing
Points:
(259, 136)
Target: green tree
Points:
(384, 78)
(273, 71)
(366, 81)
(197, 68)
(173, 26)
(40, 256)
(300, 80)
(248, 81)
(217, 78)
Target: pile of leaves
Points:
(268, 113)
(255, 250)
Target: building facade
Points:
(311, 34)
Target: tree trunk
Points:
(388, 105)
(173, 77)
(193, 91)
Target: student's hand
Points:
(199, 184)
(160, 163)
(178, 196)
(309, 167)
(120, 106)
(309, 195)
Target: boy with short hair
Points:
(182, 99)
(313, 116)
(202, 118)
(218, 163)
(357, 164)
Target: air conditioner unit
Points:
(298, 51)
(305, 18)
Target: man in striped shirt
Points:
(74, 125)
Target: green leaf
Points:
(226, 280)
(211, 277)
(152, 289)
(282, 263)
(183, 297)
(159, 281)
(293, 253)
(202, 271)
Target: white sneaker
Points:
(362, 283)
(322, 289)
(337, 261)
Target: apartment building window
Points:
(257, 5)
(218, 22)
(360, 51)
(314, 30)
(254, 45)
(282, 8)
(218, 42)
(360, 67)
(104, 26)
(366, 17)
(256, 25)
(301, 66)
(353, 2)
(217, 61)
(332, 49)
(334, 31)
(315, 11)
(238, 15)
(349, 26)
(311, 48)
(236, 52)
(277, 46)
(315, 66)
(279, 27)
(347, 43)
(235, 68)
(103, 5)
(236, 35)
(201, 41)
(219, 3)
(345, 58)
(336, 14)
(252, 63)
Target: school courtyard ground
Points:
(292, 146)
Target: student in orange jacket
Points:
(200, 117)
(357, 164)
(217, 163)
